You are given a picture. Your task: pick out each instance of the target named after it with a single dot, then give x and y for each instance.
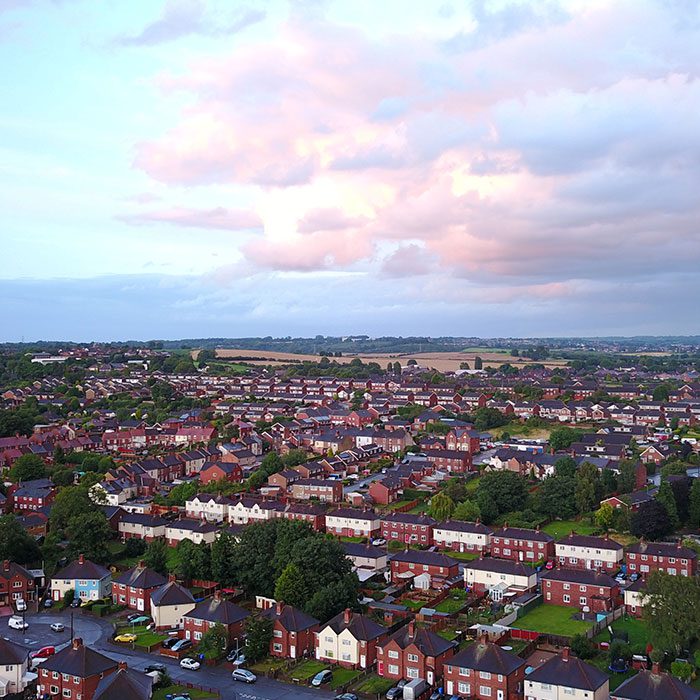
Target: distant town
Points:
(351, 518)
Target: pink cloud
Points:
(217, 218)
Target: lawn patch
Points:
(463, 556)
(373, 685)
(562, 528)
(552, 619)
(179, 689)
(306, 670)
(342, 676)
(637, 633)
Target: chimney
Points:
(217, 595)
(77, 643)
(347, 616)
(142, 564)
(6, 565)
(121, 666)
(484, 638)
(412, 629)
(172, 578)
(279, 606)
(565, 654)
(81, 559)
(655, 668)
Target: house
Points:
(462, 536)
(414, 652)
(215, 611)
(133, 588)
(90, 581)
(654, 685)
(141, 526)
(15, 583)
(213, 508)
(245, 510)
(124, 684)
(499, 577)
(385, 490)
(413, 562)
(408, 528)
(589, 552)
(585, 590)
(170, 603)
(350, 640)
(15, 675)
(293, 631)
(674, 559)
(33, 495)
(324, 490)
(485, 671)
(566, 676)
(221, 471)
(451, 461)
(365, 557)
(311, 513)
(196, 531)
(351, 522)
(521, 544)
(74, 672)
(634, 597)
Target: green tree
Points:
(557, 497)
(694, 505)
(682, 670)
(507, 490)
(15, 544)
(88, 534)
(59, 455)
(661, 393)
(222, 552)
(562, 438)
(258, 637)
(589, 489)
(441, 506)
(582, 647)
(397, 367)
(70, 501)
(478, 363)
(671, 609)
(330, 600)
(651, 521)
(186, 564)
(271, 464)
(214, 642)
(627, 478)
(291, 586)
(604, 516)
(467, 510)
(27, 467)
(456, 489)
(156, 556)
(668, 500)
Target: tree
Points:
(487, 418)
(681, 494)
(456, 489)
(467, 510)
(156, 555)
(604, 516)
(478, 363)
(291, 586)
(582, 647)
(668, 500)
(651, 521)
(271, 464)
(186, 567)
(15, 544)
(562, 438)
(627, 478)
(69, 501)
(565, 466)
(59, 455)
(330, 600)
(88, 534)
(589, 489)
(441, 506)
(507, 490)
(27, 467)
(258, 637)
(135, 547)
(487, 507)
(661, 393)
(222, 552)
(682, 670)
(214, 642)
(694, 504)
(557, 497)
(671, 608)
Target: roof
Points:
(78, 660)
(141, 577)
(353, 513)
(464, 526)
(362, 627)
(569, 672)
(368, 551)
(518, 533)
(647, 685)
(125, 684)
(409, 519)
(500, 566)
(291, 618)
(663, 549)
(426, 558)
(172, 593)
(589, 541)
(428, 642)
(488, 657)
(586, 577)
(218, 610)
(82, 569)
(12, 654)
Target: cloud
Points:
(181, 18)
(217, 218)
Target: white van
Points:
(21, 604)
(17, 623)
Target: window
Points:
(412, 657)
(464, 688)
(66, 692)
(485, 675)
(485, 690)
(346, 642)
(393, 654)
(197, 636)
(566, 599)
(582, 600)
(412, 672)
(54, 690)
(277, 633)
(277, 647)
(393, 669)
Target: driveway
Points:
(96, 633)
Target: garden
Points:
(553, 619)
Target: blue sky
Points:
(189, 168)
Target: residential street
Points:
(96, 633)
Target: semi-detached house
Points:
(462, 536)
(350, 640)
(351, 522)
(589, 552)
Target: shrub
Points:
(582, 647)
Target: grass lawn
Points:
(462, 556)
(374, 684)
(637, 633)
(271, 663)
(414, 604)
(561, 528)
(448, 633)
(398, 504)
(552, 619)
(307, 670)
(341, 676)
(419, 509)
(353, 539)
(602, 662)
(521, 429)
(175, 689)
(145, 638)
(454, 602)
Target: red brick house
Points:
(463, 439)
(133, 588)
(408, 528)
(325, 490)
(213, 611)
(74, 672)
(485, 671)
(674, 559)
(414, 653)
(311, 513)
(580, 589)
(15, 583)
(385, 490)
(413, 562)
(219, 471)
(32, 495)
(648, 685)
(452, 461)
(521, 545)
(293, 631)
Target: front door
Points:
(293, 652)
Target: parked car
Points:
(346, 696)
(396, 692)
(170, 642)
(44, 652)
(48, 603)
(189, 664)
(76, 603)
(322, 677)
(160, 668)
(549, 565)
(132, 617)
(181, 645)
(58, 627)
(244, 675)
(21, 604)
(15, 622)
(126, 638)
(236, 657)
(378, 541)
(178, 696)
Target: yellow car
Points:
(125, 638)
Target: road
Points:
(361, 483)
(96, 633)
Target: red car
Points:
(44, 652)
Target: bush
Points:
(394, 546)
(134, 547)
(582, 647)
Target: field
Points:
(552, 619)
(441, 361)
(562, 528)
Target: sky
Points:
(228, 168)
